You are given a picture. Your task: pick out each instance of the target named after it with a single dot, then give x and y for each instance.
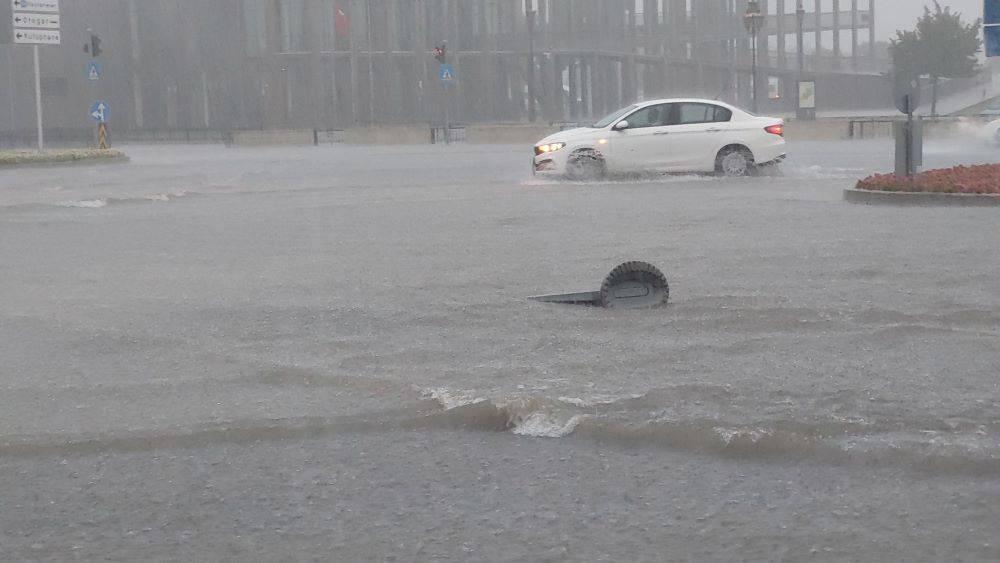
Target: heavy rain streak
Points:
(500, 280)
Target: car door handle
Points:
(714, 130)
(662, 133)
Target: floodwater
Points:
(327, 353)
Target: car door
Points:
(643, 145)
(695, 132)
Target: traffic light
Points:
(441, 54)
(94, 47)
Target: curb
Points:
(76, 162)
(872, 197)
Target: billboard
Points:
(991, 12)
(991, 31)
(991, 36)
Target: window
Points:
(691, 114)
(292, 26)
(255, 27)
(652, 116)
(608, 120)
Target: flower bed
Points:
(17, 158)
(980, 179)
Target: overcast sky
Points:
(891, 15)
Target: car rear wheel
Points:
(735, 162)
(585, 165)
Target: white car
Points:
(991, 133)
(680, 135)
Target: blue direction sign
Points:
(93, 70)
(447, 74)
(99, 111)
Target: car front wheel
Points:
(585, 165)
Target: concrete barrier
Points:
(272, 137)
(509, 134)
(416, 134)
(817, 130)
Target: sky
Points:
(891, 15)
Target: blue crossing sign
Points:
(99, 111)
(447, 74)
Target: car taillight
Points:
(778, 130)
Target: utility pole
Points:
(531, 63)
(371, 65)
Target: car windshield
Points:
(614, 117)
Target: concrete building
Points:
(333, 64)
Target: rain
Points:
(265, 281)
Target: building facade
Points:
(334, 64)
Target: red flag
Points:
(341, 23)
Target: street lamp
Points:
(800, 15)
(753, 20)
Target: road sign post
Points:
(102, 137)
(908, 134)
(36, 22)
(99, 113)
(38, 100)
(447, 76)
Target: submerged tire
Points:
(734, 162)
(634, 285)
(585, 165)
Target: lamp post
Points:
(753, 20)
(806, 107)
(800, 14)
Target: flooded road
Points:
(215, 353)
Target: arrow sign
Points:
(51, 6)
(99, 111)
(36, 21)
(93, 70)
(37, 36)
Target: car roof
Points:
(683, 100)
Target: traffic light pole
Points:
(38, 101)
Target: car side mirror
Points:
(621, 125)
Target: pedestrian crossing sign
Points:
(447, 74)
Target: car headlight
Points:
(551, 147)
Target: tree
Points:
(907, 54)
(941, 46)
